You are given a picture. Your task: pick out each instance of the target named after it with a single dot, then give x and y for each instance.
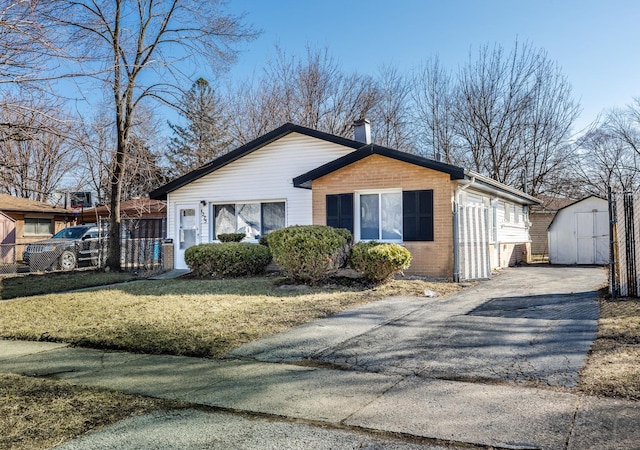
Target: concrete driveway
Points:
(529, 324)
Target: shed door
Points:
(592, 237)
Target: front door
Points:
(187, 232)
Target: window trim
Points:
(357, 220)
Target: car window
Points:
(70, 233)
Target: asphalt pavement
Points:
(398, 373)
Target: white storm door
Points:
(187, 232)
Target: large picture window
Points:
(252, 219)
(38, 227)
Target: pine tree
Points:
(203, 138)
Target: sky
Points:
(595, 43)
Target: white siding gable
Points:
(263, 175)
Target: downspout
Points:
(456, 230)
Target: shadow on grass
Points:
(55, 282)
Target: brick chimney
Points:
(362, 131)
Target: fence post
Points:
(613, 288)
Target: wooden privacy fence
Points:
(624, 215)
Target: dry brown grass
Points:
(39, 414)
(188, 317)
(613, 366)
(185, 317)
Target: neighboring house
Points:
(579, 233)
(142, 217)
(541, 217)
(35, 220)
(7, 239)
(456, 224)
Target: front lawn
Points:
(613, 366)
(185, 316)
(46, 283)
(182, 317)
(40, 414)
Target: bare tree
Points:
(36, 150)
(507, 115)
(391, 114)
(96, 141)
(26, 41)
(312, 92)
(129, 46)
(609, 153)
(433, 102)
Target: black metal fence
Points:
(141, 247)
(624, 215)
(140, 251)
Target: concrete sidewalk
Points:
(498, 415)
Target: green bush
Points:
(264, 240)
(378, 262)
(310, 253)
(228, 259)
(231, 237)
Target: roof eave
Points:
(304, 180)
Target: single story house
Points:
(579, 233)
(35, 220)
(456, 223)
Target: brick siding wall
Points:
(431, 259)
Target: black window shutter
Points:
(417, 215)
(340, 211)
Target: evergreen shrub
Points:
(310, 253)
(378, 262)
(228, 259)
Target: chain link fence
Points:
(141, 250)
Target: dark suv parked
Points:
(65, 250)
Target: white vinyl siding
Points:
(507, 220)
(265, 175)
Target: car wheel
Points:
(67, 260)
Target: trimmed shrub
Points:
(377, 261)
(310, 253)
(231, 237)
(229, 259)
(264, 240)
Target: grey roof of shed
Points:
(161, 192)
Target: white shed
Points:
(579, 233)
